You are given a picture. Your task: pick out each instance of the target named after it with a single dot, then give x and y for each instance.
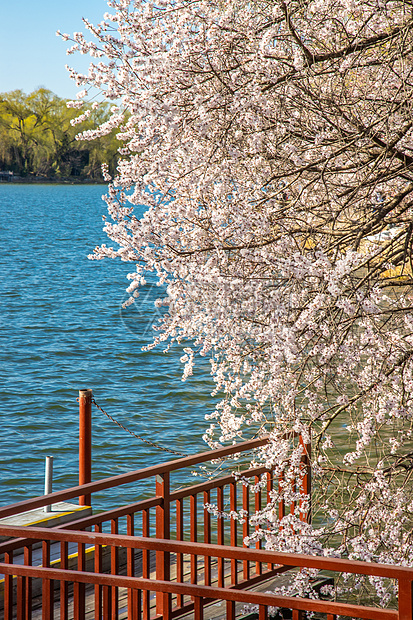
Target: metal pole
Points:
(85, 442)
(48, 480)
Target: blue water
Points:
(62, 328)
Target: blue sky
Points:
(31, 55)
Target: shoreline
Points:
(51, 181)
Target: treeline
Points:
(37, 140)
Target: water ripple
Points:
(62, 329)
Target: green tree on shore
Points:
(37, 138)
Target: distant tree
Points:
(17, 117)
(40, 139)
(272, 143)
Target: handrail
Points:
(151, 502)
(256, 564)
(210, 550)
(201, 591)
(139, 474)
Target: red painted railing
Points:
(107, 586)
(166, 555)
(177, 513)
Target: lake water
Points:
(62, 328)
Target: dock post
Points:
(48, 480)
(85, 442)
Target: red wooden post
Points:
(28, 558)
(207, 538)
(114, 568)
(106, 602)
(246, 526)
(405, 599)
(193, 527)
(163, 600)
(230, 610)
(233, 530)
(79, 594)
(220, 535)
(130, 569)
(180, 556)
(98, 569)
(198, 608)
(257, 494)
(269, 489)
(146, 565)
(47, 585)
(64, 586)
(21, 597)
(85, 442)
(8, 589)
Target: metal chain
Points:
(150, 443)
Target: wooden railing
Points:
(107, 587)
(177, 513)
(166, 555)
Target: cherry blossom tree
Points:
(272, 143)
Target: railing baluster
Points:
(163, 531)
(233, 530)
(220, 535)
(263, 612)
(405, 599)
(207, 538)
(230, 610)
(297, 614)
(146, 565)
(21, 598)
(257, 497)
(179, 556)
(79, 588)
(114, 568)
(64, 586)
(269, 499)
(135, 610)
(331, 617)
(193, 536)
(130, 564)
(28, 558)
(106, 603)
(8, 589)
(47, 585)
(198, 608)
(167, 615)
(245, 526)
(98, 569)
